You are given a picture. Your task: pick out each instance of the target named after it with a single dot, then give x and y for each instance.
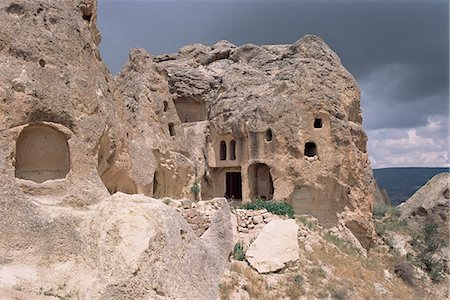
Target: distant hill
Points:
(401, 183)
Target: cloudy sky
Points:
(397, 50)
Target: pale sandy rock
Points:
(430, 204)
(268, 99)
(257, 219)
(387, 275)
(11, 294)
(126, 247)
(399, 242)
(274, 247)
(72, 134)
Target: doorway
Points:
(260, 182)
(233, 185)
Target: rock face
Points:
(430, 204)
(70, 135)
(275, 246)
(283, 123)
(274, 122)
(128, 247)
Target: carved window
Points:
(223, 150)
(233, 150)
(171, 129)
(269, 135)
(310, 149)
(318, 123)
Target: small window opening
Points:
(223, 150)
(269, 135)
(318, 123)
(310, 149)
(166, 106)
(233, 150)
(171, 129)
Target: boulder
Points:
(275, 246)
(430, 204)
(126, 247)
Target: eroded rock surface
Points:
(128, 247)
(275, 246)
(430, 204)
(276, 122)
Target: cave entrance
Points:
(233, 185)
(42, 153)
(260, 181)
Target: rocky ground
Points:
(331, 268)
(274, 256)
(409, 259)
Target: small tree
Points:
(195, 189)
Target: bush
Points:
(195, 189)
(426, 244)
(238, 251)
(275, 207)
(380, 210)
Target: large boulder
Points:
(275, 246)
(127, 247)
(429, 204)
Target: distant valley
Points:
(401, 183)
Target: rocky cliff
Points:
(81, 152)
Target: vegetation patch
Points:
(426, 244)
(294, 286)
(275, 207)
(343, 245)
(380, 210)
(310, 224)
(391, 221)
(238, 251)
(195, 189)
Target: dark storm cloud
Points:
(397, 50)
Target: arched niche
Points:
(42, 153)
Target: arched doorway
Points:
(260, 181)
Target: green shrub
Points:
(298, 279)
(426, 244)
(380, 210)
(275, 207)
(308, 223)
(195, 189)
(238, 252)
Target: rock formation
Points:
(275, 246)
(273, 122)
(429, 204)
(276, 122)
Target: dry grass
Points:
(315, 275)
(256, 285)
(293, 286)
(359, 271)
